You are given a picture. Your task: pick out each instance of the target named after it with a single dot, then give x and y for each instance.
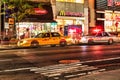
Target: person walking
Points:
(27, 33)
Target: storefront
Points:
(109, 14)
(41, 21)
(35, 28)
(112, 21)
(70, 18)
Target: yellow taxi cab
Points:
(48, 38)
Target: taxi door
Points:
(40, 38)
(55, 38)
(46, 38)
(43, 38)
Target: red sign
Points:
(109, 2)
(40, 11)
(116, 24)
(117, 3)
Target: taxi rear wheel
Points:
(63, 43)
(34, 44)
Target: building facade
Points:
(40, 21)
(68, 16)
(72, 17)
(64, 16)
(107, 13)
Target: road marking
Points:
(18, 69)
(5, 60)
(100, 60)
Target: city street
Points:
(20, 62)
(59, 39)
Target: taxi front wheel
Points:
(34, 44)
(62, 44)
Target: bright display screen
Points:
(76, 1)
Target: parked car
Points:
(49, 38)
(100, 37)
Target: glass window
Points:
(70, 0)
(61, 0)
(39, 35)
(79, 1)
(55, 34)
(46, 35)
(76, 1)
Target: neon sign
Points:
(113, 2)
(117, 3)
(40, 11)
(74, 14)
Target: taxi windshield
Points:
(40, 35)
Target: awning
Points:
(37, 20)
(68, 17)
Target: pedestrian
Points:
(27, 33)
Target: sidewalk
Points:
(107, 75)
(2, 47)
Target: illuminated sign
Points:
(74, 1)
(117, 3)
(113, 2)
(40, 11)
(11, 21)
(110, 2)
(74, 14)
(40, 0)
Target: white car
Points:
(100, 37)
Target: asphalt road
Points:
(16, 64)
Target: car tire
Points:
(53, 45)
(110, 41)
(90, 41)
(63, 43)
(34, 44)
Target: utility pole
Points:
(86, 22)
(0, 19)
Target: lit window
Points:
(70, 0)
(76, 1)
(61, 0)
(79, 1)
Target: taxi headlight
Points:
(24, 41)
(68, 39)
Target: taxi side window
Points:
(46, 35)
(55, 34)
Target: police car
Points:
(100, 37)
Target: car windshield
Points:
(40, 35)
